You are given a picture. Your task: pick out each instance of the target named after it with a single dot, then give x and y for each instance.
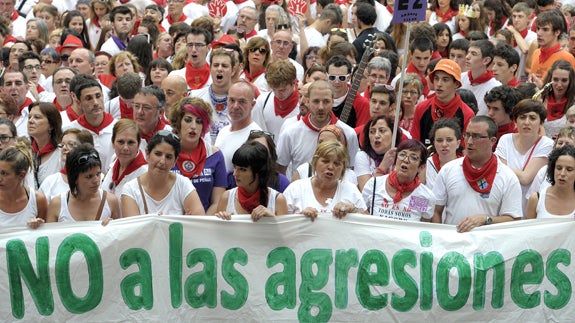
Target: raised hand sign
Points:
(296, 7)
(217, 8)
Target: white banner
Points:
(175, 268)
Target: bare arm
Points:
(215, 199)
(54, 209)
(129, 207)
(533, 166)
(437, 214)
(193, 204)
(222, 207)
(114, 205)
(531, 210)
(281, 205)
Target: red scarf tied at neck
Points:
(555, 110)
(401, 187)
(125, 111)
(480, 180)
(445, 17)
(547, 52)
(285, 107)
(488, 75)
(412, 69)
(192, 164)
(171, 20)
(248, 201)
(447, 110)
(523, 34)
(251, 78)
(197, 78)
(308, 123)
(108, 119)
(45, 150)
(159, 126)
(138, 162)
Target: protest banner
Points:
(361, 269)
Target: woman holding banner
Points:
(325, 191)
(252, 169)
(400, 195)
(558, 200)
(159, 190)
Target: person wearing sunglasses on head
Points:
(477, 189)
(159, 190)
(85, 200)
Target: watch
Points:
(489, 220)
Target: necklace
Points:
(219, 102)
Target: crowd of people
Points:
(116, 109)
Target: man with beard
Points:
(122, 21)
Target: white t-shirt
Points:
(229, 141)
(314, 37)
(539, 182)
(433, 20)
(506, 150)
(173, 203)
(108, 184)
(266, 117)
(419, 204)
(479, 90)
(364, 165)
(460, 200)
(430, 173)
(299, 195)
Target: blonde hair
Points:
(328, 149)
(123, 55)
(19, 156)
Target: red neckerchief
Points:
(445, 17)
(60, 108)
(252, 33)
(401, 187)
(480, 180)
(492, 28)
(436, 163)
(444, 54)
(251, 78)
(39, 88)
(106, 79)
(513, 82)
(412, 69)
(555, 110)
(366, 93)
(25, 105)
(9, 39)
(239, 1)
(248, 201)
(523, 34)
(447, 110)
(45, 150)
(390, 9)
(192, 164)
(14, 16)
(463, 33)
(182, 19)
(125, 111)
(547, 52)
(506, 128)
(197, 78)
(159, 126)
(285, 107)
(72, 115)
(308, 123)
(488, 75)
(63, 171)
(108, 119)
(138, 162)
(97, 22)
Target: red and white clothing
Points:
(460, 200)
(479, 89)
(229, 141)
(231, 207)
(18, 25)
(166, 23)
(529, 38)
(264, 114)
(182, 73)
(299, 195)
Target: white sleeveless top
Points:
(542, 211)
(273, 194)
(65, 215)
(29, 212)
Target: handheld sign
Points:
(296, 7)
(217, 8)
(409, 11)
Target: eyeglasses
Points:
(283, 27)
(6, 139)
(47, 61)
(143, 107)
(313, 57)
(64, 58)
(60, 81)
(283, 43)
(196, 45)
(259, 133)
(404, 156)
(70, 145)
(168, 134)
(32, 67)
(261, 50)
(86, 157)
(341, 78)
(475, 136)
(412, 92)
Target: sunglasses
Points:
(283, 27)
(341, 78)
(339, 30)
(261, 50)
(168, 134)
(86, 157)
(64, 58)
(259, 133)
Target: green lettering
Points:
(367, 278)
(558, 279)
(449, 261)
(280, 286)
(344, 260)
(20, 267)
(236, 280)
(310, 282)
(425, 272)
(206, 278)
(484, 263)
(140, 280)
(404, 280)
(79, 243)
(175, 263)
(520, 277)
